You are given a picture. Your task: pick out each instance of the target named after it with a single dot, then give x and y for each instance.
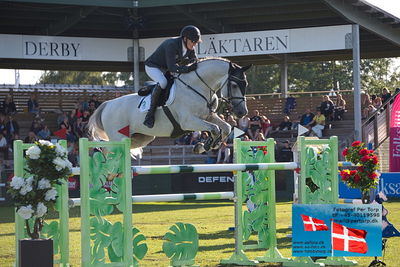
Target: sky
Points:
(32, 76)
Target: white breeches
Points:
(156, 75)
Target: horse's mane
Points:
(213, 58)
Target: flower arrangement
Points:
(366, 175)
(46, 166)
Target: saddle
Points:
(149, 87)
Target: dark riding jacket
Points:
(168, 56)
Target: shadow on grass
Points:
(7, 213)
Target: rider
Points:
(176, 55)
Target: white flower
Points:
(44, 184)
(33, 152)
(51, 194)
(68, 164)
(60, 163)
(27, 187)
(41, 209)
(45, 143)
(17, 182)
(61, 151)
(25, 212)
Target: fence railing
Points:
(376, 128)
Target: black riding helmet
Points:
(192, 33)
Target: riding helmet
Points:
(192, 33)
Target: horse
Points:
(193, 108)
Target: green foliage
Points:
(318, 175)
(323, 76)
(72, 77)
(181, 244)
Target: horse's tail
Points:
(96, 130)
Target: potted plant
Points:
(365, 176)
(34, 195)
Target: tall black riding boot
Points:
(149, 120)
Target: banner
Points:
(394, 150)
(321, 230)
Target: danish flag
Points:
(348, 239)
(312, 224)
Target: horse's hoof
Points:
(198, 148)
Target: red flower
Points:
(374, 159)
(353, 172)
(365, 158)
(357, 178)
(356, 143)
(372, 175)
(345, 151)
(360, 168)
(345, 175)
(363, 152)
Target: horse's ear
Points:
(245, 68)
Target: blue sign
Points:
(391, 184)
(321, 230)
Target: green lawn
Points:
(212, 220)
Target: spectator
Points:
(260, 137)
(319, 123)
(95, 102)
(386, 95)
(306, 118)
(340, 107)
(203, 137)
(285, 125)
(195, 137)
(266, 126)
(85, 116)
(12, 126)
(4, 146)
(73, 153)
(365, 102)
(35, 126)
(9, 105)
(231, 120)
(33, 105)
(212, 156)
(44, 133)
(3, 122)
(254, 125)
(327, 107)
(224, 154)
(285, 153)
(371, 110)
(31, 138)
(243, 123)
(245, 138)
(376, 101)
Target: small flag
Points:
(349, 239)
(125, 131)
(313, 224)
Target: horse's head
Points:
(235, 89)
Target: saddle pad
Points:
(145, 101)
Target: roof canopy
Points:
(379, 30)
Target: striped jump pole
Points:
(164, 169)
(76, 202)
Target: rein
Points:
(212, 92)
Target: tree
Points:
(72, 77)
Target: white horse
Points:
(193, 108)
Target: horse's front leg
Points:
(223, 125)
(197, 124)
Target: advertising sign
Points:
(394, 149)
(337, 230)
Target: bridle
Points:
(228, 81)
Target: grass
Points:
(212, 220)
